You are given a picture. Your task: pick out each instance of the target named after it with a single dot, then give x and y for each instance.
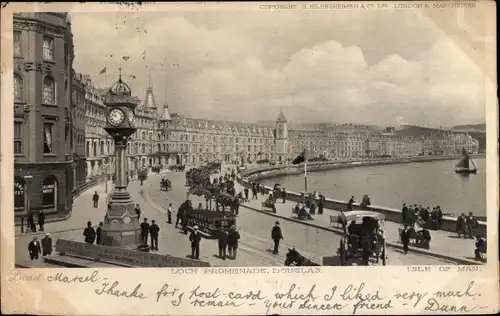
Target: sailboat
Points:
(463, 166)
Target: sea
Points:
(426, 183)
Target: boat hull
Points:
(465, 171)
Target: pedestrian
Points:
(144, 231)
(321, 204)
(461, 225)
(223, 241)
(47, 245)
(471, 223)
(153, 231)
(34, 248)
(138, 212)
(41, 219)
(276, 235)
(405, 238)
(98, 233)
(31, 222)
(169, 214)
(350, 203)
(232, 242)
(405, 214)
(283, 195)
(89, 233)
(22, 224)
(95, 198)
(439, 217)
(195, 239)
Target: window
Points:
(49, 91)
(18, 88)
(17, 44)
(47, 137)
(48, 48)
(18, 137)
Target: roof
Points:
(165, 116)
(358, 215)
(149, 100)
(281, 118)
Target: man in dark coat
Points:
(223, 241)
(470, 223)
(276, 236)
(405, 238)
(461, 225)
(95, 199)
(34, 248)
(138, 212)
(405, 214)
(144, 231)
(153, 231)
(439, 217)
(232, 242)
(46, 245)
(31, 222)
(245, 190)
(195, 239)
(41, 219)
(350, 203)
(98, 233)
(89, 233)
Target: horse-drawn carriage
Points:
(177, 167)
(363, 237)
(165, 185)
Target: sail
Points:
(464, 162)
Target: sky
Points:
(366, 67)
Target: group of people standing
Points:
(228, 243)
(423, 216)
(35, 249)
(30, 222)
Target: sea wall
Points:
(393, 215)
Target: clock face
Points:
(116, 117)
(131, 119)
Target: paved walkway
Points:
(443, 243)
(171, 241)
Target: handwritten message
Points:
(356, 298)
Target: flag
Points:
(300, 158)
(103, 71)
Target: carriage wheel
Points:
(342, 253)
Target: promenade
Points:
(318, 244)
(444, 244)
(171, 241)
(313, 238)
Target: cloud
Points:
(335, 70)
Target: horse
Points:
(295, 258)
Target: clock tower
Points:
(121, 226)
(281, 137)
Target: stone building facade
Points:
(43, 150)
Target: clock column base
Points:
(121, 227)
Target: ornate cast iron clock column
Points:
(121, 227)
